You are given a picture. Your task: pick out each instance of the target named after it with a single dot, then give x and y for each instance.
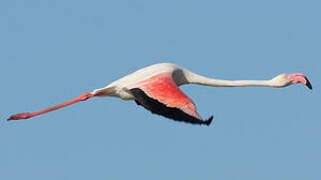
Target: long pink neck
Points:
(83, 97)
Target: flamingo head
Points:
(299, 78)
(283, 80)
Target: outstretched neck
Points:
(193, 78)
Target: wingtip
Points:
(209, 121)
(308, 84)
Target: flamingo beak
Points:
(308, 84)
(299, 78)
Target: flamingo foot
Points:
(20, 116)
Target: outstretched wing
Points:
(160, 95)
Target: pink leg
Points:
(83, 97)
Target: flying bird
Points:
(156, 88)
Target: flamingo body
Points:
(156, 88)
(134, 79)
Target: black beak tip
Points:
(308, 84)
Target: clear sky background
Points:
(54, 50)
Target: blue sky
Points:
(52, 51)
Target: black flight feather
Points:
(159, 108)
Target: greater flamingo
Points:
(156, 88)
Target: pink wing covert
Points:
(163, 88)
